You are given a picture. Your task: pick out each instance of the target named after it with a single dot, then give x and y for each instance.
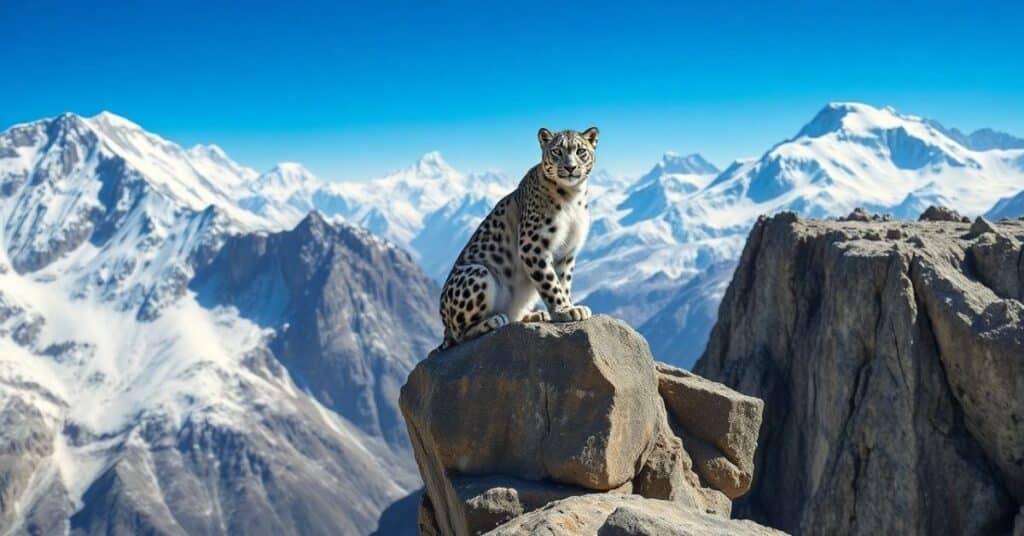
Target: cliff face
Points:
(574, 429)
(890, 357)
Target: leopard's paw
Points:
(572, 314)
(536, 316)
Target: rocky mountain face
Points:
(574, 429)
(351, 313)
(890, 357)
(849, 155)
(174, 361)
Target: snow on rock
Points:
(122, 391)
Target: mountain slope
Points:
(848, 155)
(144, 387)
(1008, 207)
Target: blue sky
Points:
(355, 89)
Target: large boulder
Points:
(577, 404)
(721, 426)
(533, 413)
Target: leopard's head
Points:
(567, 157)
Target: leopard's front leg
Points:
(544, 274)
(563, 269)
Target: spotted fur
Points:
(526, 247)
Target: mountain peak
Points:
(290, 168)
(111, 119)
(287, 176)
(693, 163)
(432, 158)
(433, 163)
(857, 117)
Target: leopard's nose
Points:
(570, 169)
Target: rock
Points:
(667, 474)
(489, 501)
(941, 213)
(507, 423)
(980, 227)
(891, 375)
(580, 404)
(722, 418)
(997, 262)
(859, 214)
(426, 520)
(27, 438)
(607, 514)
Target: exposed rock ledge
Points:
(574, 429)
(890, 356)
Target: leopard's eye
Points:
(556, 152)
(581, 151)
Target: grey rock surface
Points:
(891, 372)
(720, 419)
(608, 514)
(577, 402)
(352, 316)
(509, 422)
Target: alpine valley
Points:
(188, 346)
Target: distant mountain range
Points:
(175, 362)
(191, 346)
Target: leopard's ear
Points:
(591, 135)
(544, 136)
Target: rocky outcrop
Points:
(890, 357)
(533, 414)
(940, 213)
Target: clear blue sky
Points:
(355, 89)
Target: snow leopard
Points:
(526, 246)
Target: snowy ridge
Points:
(107, 352)
(849, 155)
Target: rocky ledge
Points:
(890, 356)
(574, 429)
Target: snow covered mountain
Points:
(1008, 207)
(848, 155)
(684, 218)
(187, 348)
(176, 360)
(426, 208)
